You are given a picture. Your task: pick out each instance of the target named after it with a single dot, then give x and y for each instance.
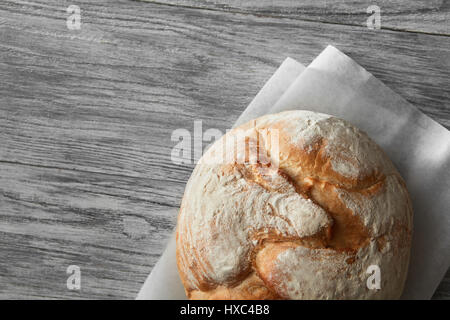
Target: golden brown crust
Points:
(307, 229)
(251, 288)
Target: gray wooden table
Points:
(86, 116)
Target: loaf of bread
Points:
(295, 205)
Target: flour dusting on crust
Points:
(305, 229)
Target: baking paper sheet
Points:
(419, 147)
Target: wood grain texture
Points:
(86, 118)
(428, 16)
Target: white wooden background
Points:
(86, 115)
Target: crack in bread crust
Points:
(340, 215)
(257, 204)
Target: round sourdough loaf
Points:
(300, 208)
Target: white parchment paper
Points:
(419, 147)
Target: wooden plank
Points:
(429, 16)
(51, 219)
(108, 97)
(86, 118)
(443, 291)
